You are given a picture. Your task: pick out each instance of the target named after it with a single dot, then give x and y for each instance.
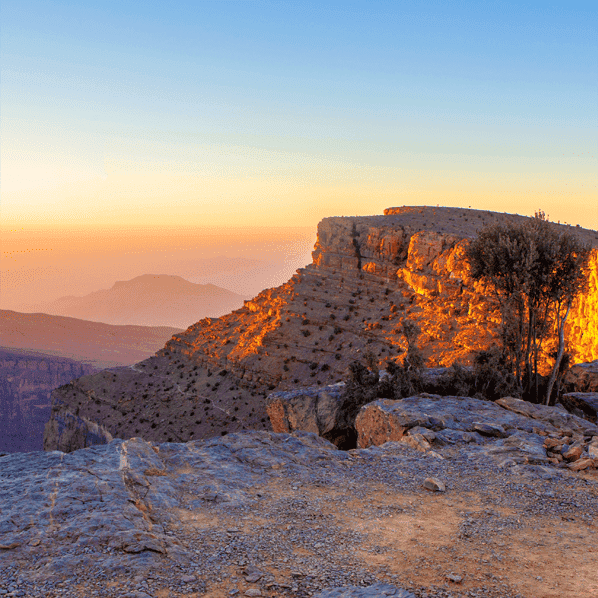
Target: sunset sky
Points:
(237, 114)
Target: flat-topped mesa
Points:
(369, 274)
(420, 253)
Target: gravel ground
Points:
(286, 525)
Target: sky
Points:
(225, 117)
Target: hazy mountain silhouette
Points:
(95, 343)
(149, 300)
(244, 276)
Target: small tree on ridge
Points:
(535, 271)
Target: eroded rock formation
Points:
(26, 381)
(369, 274)
(511, 429)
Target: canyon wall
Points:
(26, 382)
(369, 275)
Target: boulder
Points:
(509, 429)
(434, 485)
(464, 418)
(583, 377)
(582, 404)
(315, 409)
(555, 418)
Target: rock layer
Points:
(515, 429)
(26, 381)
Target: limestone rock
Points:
(583, 404)
(556, 416)
(385, 420)
(509, 429)
(573, 454)
(581, 464)
(488, 429)
(379, 590)
(583, 377)
(109, 495)
(434, 484)
(317, 410)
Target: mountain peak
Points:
(153, 280)
(149, 300)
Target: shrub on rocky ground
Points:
(488, 379)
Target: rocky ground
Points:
(277, 515)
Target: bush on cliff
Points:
(364, 385)
(536, 272)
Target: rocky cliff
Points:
(368, 275)
(26, 381)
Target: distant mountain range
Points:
(148, 300)
(94, 343)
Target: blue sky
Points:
(296, 110)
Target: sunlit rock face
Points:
(368, 275)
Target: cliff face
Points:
(368, 275)
(26, 382)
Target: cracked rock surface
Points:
(289, 515)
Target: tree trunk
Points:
(559, 355)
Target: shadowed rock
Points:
(583, 404)
(318, 410)
(583, 377)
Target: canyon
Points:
(40, 352)
(213, 468)
(26, 382)
(368, 276)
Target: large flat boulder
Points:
(386, 419)
(509, 427)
